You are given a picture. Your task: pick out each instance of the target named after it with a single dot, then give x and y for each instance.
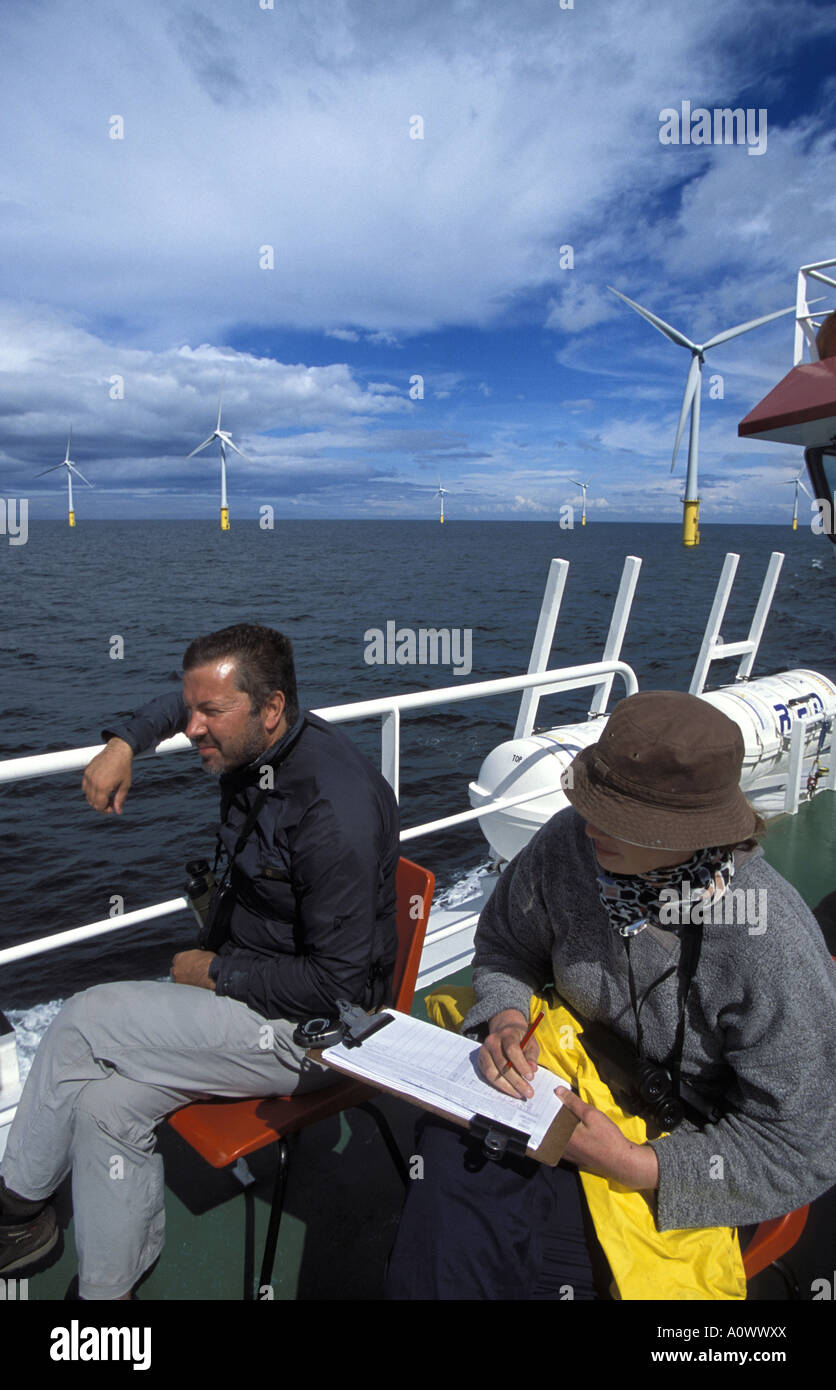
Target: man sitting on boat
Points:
(619, 902)
(310, 833)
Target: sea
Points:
(96, 620)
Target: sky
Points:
(387, 231)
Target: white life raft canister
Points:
(765, 710)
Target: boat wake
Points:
(30, 1026)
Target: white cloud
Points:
(128, 404)
(290, 129)
(527, 504)
(580, 306)
(283, 137)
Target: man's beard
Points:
(238, 754)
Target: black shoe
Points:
(26, 1243)
(14, 1209)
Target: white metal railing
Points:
(544, 638)
(119, 922)
(795, 770)
(806, 323)
(387, 708)
(713, 647)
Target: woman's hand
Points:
(598, 1146)
(501, 1060)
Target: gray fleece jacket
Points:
(760, 1020)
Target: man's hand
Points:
(501, 1047)
(192, 968)
(598, 1146)
(107, 777)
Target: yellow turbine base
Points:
(691, 523)
(795, 523)
(442, 521)
(224, 518)
(583, 521)
(72, 518)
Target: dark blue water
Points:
(158, 585)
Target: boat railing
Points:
(807, 318)
(713, 647)
(818, 773)
(387, 709)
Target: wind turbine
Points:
(442, 493)
(584, 486)
(797, 483)
(691, 401)
(67, 463)
(226, 439)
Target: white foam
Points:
(468, 886)
(30, 1026)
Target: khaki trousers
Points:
(116, 1060)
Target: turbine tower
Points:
(796, 483)
(442, 493)
(691, 401)
(67, 463)
(584, 486)
(225, 439)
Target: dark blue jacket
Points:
(314, 915)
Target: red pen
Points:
(528, 1035)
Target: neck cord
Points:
(691, 946)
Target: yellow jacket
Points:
(645, 1263)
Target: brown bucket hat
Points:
(664, 774)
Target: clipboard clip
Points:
(358, 1024)
(498, 1139)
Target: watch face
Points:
(319, 1032)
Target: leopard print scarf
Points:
(632, 901)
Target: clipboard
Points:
(377, 1070)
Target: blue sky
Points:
(245, 127)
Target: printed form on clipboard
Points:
(438, 1070)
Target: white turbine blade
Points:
(200, 446)
(78, 471)
(665, 328)
(239, 451)
(220, 394)
(691, 385)
(804, 489)
(49, 470)
(69, 443)
(744, 328)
